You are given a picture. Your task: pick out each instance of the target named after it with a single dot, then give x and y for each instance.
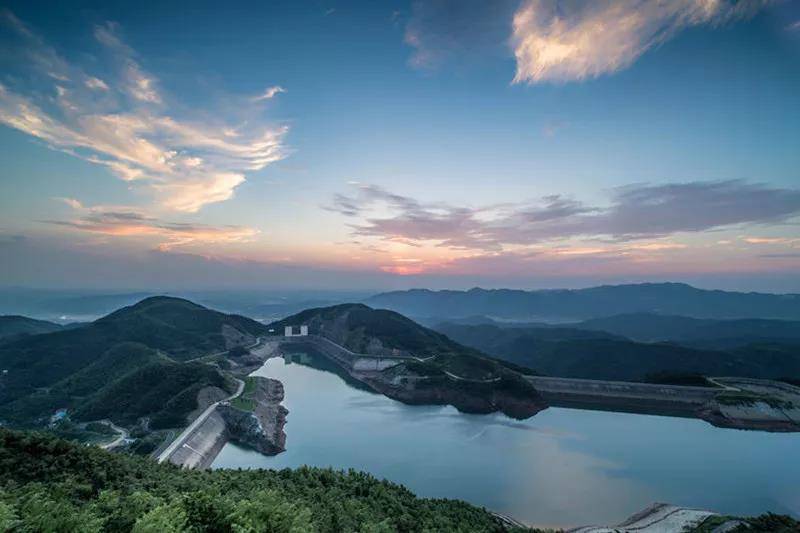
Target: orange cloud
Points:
(130, 222)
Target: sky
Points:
(379, 145)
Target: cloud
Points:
(269, 93)
(123, 221)
(125, 122)
(95, 83)
(557, 41)
(72, 202)
(635, 212)
(766, 240)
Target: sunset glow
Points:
(544, 147)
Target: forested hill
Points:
(365, 330)
(48, 484)
(362, 329)
(575, 353)
(650, 327)
(581, 304)
(125, 365)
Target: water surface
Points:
(562, 467)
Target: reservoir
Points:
(562, 467)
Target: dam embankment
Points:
(259, 425)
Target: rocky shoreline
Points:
(466, 397)
(261, 429)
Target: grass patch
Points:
(249, 386)
(245, 401)
(243, 404)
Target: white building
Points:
(289, 331)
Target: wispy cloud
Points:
(634, 213)
(95, 83)
(125, 123)
(565, 41)
(269, 93)
(123, 221)
(779, 241)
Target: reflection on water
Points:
(562, 467)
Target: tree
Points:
(168, 518)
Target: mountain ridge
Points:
(593, 302)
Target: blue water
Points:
(562, 467)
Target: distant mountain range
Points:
(583, 304)
(128, 364)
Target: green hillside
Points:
(47, 484)
(710, 333)
(362, 329)
(165, 391)
(620, 359)
(123, 366)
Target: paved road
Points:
(470, 380)
(258, 341)
(122, 434)
(181, 439)
(723, 385)
(622, 389)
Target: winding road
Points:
(122, 434)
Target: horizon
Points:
(351, 295)
(355, 147)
